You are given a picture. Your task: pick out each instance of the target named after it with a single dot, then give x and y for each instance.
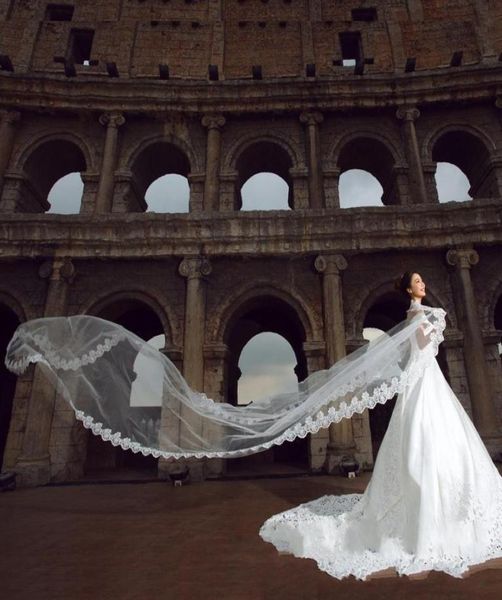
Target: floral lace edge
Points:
(380, 395)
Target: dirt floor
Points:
(150, 541)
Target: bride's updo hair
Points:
(403, 282)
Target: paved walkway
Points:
(150, 541)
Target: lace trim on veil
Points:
(42, 350)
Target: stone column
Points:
(104, 197)
(311, 120)
(8, 121)
(195, 269)
(341, 438)
(408, 115)
(483, 409)
(214, 123)
(33, 465)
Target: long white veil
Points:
(93, 364)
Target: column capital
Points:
(407, 113)
(9, 117)
(311, 117)
(462, 258)
(330, 263)
(60, 267)
(112, 119)
(195, 267)
(213, 121)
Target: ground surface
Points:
(150, 541)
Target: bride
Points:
(435, 497)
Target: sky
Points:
(267, 361)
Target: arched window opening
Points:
(146, 394)
(48, 165)
(263, 158)
(267, 365)
(452, 184)
(65, 196)
(160, 179)
(372, 156)
(469, 154)
(359, 188)
(265, 329)
(9, 321)
(168, 194)
(265, 191)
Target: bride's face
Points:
(417, 287)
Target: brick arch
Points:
(434, 135)
(244, 142)
(128, 158)
(374, 153)
(229, 308)
(347, 138)
(23, 153)
(97, 305)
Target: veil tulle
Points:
(94, 365)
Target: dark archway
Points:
(102, 457)
(371, 155)
(155, 161)
(470, 154)
(9, 321)
(263, 157)
(258, 315)
(47, 164)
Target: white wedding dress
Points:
(434, 501)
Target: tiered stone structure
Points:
(129, 90)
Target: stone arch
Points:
(245, 141)
(96, 306)
(259, 154)
(264, 309)
(155, 157)
(23, 153)
(470, 149)
(374, 153)
(260, 289)
(46, 161)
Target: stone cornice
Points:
(46, 92)
(278, 233)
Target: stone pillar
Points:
(33, 465)
(299, 178)
(331, 179)
(341, 438)
(408, 116)
(195, 269)
(104, 197)
(8, 121)
(311, 120)
(483, 410)
(214, 123)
